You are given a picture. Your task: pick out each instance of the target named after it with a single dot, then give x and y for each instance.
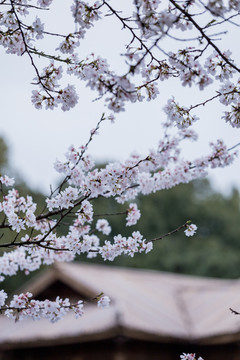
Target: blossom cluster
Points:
(189, 356)
(13, 205)
(49, 78)
(122, 245)
(40, 244)
(147, 23)
(146, 64)
(133, 215)
(23, 307)
(163, 168)
(95, 71)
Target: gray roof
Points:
(146, 304)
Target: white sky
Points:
(37, 137)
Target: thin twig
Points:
(170, 232)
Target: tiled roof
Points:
(145, 304)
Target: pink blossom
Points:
(147, 63)
(133, 215)
(3, 297)
(104, 302)
(6, 180)
(103, 226)
(191, 230)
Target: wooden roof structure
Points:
(145, 304)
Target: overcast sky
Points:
(37, 137)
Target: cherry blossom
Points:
(188, 356)
(38, 28)
(191, 230)
(6, 180)
(3, 297)
(154, 54)
(103, 226)
(23, 307)
(133, 215)
(103, 302)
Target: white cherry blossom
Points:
(148, 63)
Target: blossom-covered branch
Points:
(22, 307)
(148, 24)
(148, 61)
